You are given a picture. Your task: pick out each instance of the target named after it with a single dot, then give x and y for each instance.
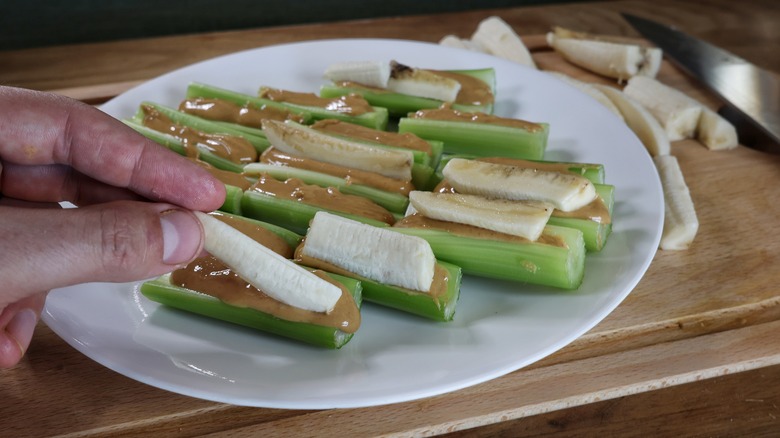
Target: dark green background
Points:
(40, 23)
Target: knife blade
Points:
(751, 94)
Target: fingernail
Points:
(22, 326)
(182, 236)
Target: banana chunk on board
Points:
(680, 221)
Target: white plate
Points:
(499, 327)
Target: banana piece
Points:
(421, 83)
(518, 218)
(680, 222)
(590, 90)
(716, 132)
(458, 43)
(566, 192)
(495, 36)
(380, 254)
(644, 125)
(616, 54)
(278, 277)
(296, 139)
(370, 73)
(677, 113)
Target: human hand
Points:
(56, 149)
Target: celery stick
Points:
(287, 213)
(394, 202)
(480, 139)
(232, 202)
(419, 303)
(591, 171)
(400, 105)
(532, 262)
(162, 291)
(376, 119)
(257, 138)
(175, 145)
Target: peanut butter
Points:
(352, 104)
(406, 140)
(227, 177)
(245, 115)
(445, 112)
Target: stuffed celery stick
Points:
(396, 270)
(292, 204)
(403, 89)
(174, 118)
(478, 134)
(248, 280)
(307, 106)
(592, 171)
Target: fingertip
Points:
(182, 236)
(16, 337)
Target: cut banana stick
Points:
(370, 73)
(680, 222)
(716, 132)
(376, 253)
(590, 90)
(278, 277)
(518, 218)
(495, 36)
(422, 83)
(296, 139)
(644, 125)
(566, 192)
(458, 43)
(619, 61)
(677, 113)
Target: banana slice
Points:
(518, 218)
(644, 125)
(590, 90)
(716, 132)
(266, 270)
(296, 139)
(458, 43)
(677, 113)
(370, 73)
(566, 192)
(380, 254)
(421, 83)
(495, 36)
(680, 222)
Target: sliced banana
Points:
(296, 139)
(590, 90)
(564, 191)
(518, 218)
(422, 83)
(644, 125)
(680, 221)
(495, 36)
(715, 132)
(380, 254)
(370, 73)
(458, 43)
(677, 113)
(266, 270)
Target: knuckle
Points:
(123, 241)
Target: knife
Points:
(752, 94)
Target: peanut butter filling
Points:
(329, 198)
(225, 176)
(278, 158)
(245, 115)
(352, 105)
(406, 140)
(230, 147)
(446, 113)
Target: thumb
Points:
(42, 249)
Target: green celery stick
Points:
(394, 202)
(175, 145)
(418, 303)
(257, 138)
(400, 105)
(162, 291)
(531, 262)
(594, 233)
(287, 213)
(376, 119)
(480, 139)
(232, 202)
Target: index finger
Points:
(39, 128)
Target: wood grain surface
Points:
(711, 311)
